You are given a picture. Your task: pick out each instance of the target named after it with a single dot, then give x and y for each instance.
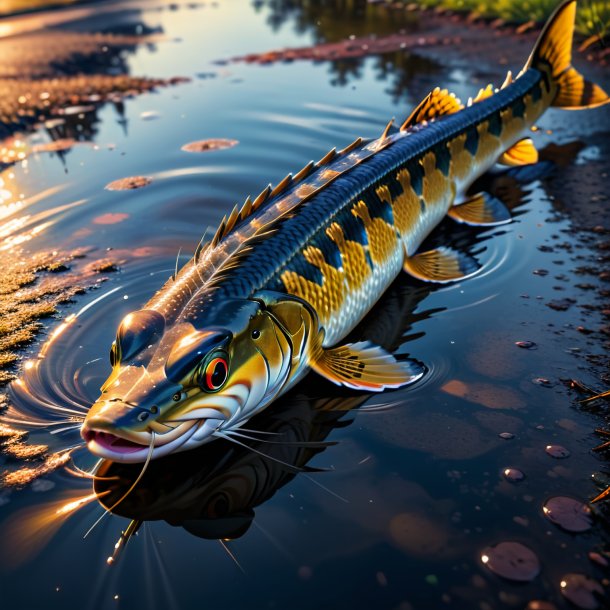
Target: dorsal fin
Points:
(262, 197)
(438, 102)
(484, 93)
(304, 172)
(295, 193)
(328, 157)
(351, 146)
(233, 216)
(246, 208)
(388, 128)
(508, 80)
(219, 232)
(282, 185)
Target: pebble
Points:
(513, 475)
(526, 344)
(511, 560)
(557, 451)
(582, 591)
(569, 514)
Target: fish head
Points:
(175, 388)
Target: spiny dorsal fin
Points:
(438, 102)
(300, 194)
(246, 208)
(304, 172)
(387, 129)
(264, 194)
(351, 146)
(484, 93)
(232, 219)
(508, 80)
(328, 157)
(219, 232)
(282, 185)
(199, 249)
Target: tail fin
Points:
(553, 55)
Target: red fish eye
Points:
(216, 373)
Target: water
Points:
(397, 509)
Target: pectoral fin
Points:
(441, 265)
(480, 210)
(522, 153)
(365, 366)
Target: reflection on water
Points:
(383, 502)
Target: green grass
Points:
(593, 17)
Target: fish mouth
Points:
(111, 442)
(136, 447)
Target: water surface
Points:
(412, 493)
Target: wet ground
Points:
(467, 490)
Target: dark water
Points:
(399, 507)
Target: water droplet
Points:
(506, 435)
(569, 514)
(512, 474)
(511, 560)
(149, 115)
(526, 344)
(543, 381)
(557, 451)
(581, 590)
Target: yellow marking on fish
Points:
(305, 190)
(353, 257)
(461, 159)
(489, 145)
(405, 207)
(326, 298)
(512, 126)
(381, 236)
(328, 174)
(435, 184)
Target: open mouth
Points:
(111, 442)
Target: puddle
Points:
(388, 501)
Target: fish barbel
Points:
(290, 274)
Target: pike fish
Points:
(287, 276)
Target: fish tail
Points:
(552, 56)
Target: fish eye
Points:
(256, 334)
(215, 373)
(177, 396)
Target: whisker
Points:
(230, 554)
(332, 493)
(290, 467)
(242, 429)
(313, 444)
(131, 488)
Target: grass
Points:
(593, 17)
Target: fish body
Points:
(290, 274)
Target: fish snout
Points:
(113, 427)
